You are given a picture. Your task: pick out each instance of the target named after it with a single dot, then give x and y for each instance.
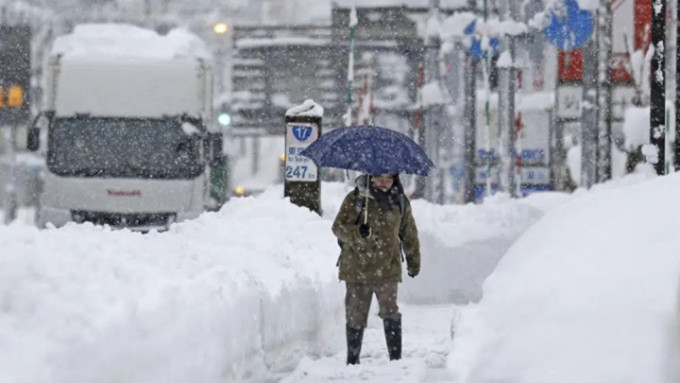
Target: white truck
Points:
(126, 121)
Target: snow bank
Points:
(123, 40)
(588, 294)
(461, 244)
(212, 300)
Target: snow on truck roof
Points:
(123, 70)
(124, 40)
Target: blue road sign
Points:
(570, 29)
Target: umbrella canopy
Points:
(369, 149)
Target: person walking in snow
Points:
(373, 226)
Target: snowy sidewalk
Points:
(426, 339)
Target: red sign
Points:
(570, 66)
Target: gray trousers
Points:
(358, 302)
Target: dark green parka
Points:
(376, 259)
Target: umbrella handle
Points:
(368, 190)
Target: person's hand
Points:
(364, 230)
(413, 272)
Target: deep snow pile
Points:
(211, 299)
(232, 295)
(461, 244)
(586, 295)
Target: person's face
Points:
(383, 182)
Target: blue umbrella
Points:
(369, 149)
(571, 29)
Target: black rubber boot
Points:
(393, 337)
(354, 338)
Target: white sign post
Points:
(301, 179)
(300, 135)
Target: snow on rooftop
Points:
(125, 40)
(454, 25)
(544, 100)
(308, 108)
(353, 20)
(446, 4)
(433, 28)
(432, 94)
(508, 27)
(280, 41)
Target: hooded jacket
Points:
(376, 259)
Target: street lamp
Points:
(220, 28)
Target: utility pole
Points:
(487, 112)
(657, 116)
(506, 104)
(470, 126)
(677, 89)
(604, 106)
(589, 126)
(353, 21)
(470, 120)
(433, 108)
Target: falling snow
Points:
(151, 232)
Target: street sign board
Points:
(569, 101)
(300, 135)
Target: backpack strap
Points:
(402, 211)
(402, 223)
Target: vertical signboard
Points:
(15, 74)
(300, 135)
(301, 179)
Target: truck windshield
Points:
(123, 148)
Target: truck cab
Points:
(126, 142)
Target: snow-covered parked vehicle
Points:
(127, 140)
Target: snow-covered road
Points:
(427, 339)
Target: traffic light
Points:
(224, 118)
